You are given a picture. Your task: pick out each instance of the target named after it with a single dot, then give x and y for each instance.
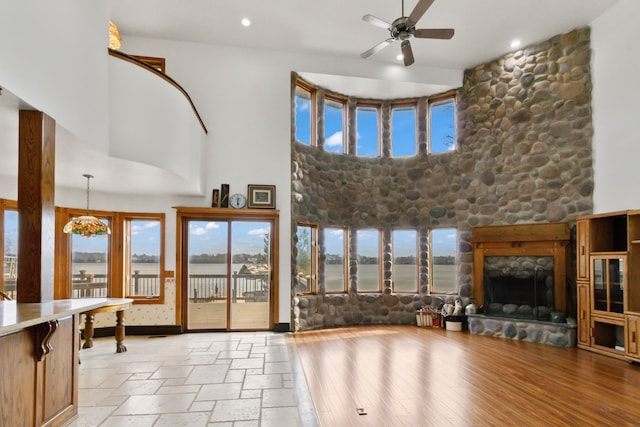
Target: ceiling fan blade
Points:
(407, 53)
(419, 10)
(434, 33)
(376, 21)
(377, 48)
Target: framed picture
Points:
(215, 198)
(224, 196)
(261, 196)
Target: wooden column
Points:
(36, 207)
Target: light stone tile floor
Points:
(235, 379)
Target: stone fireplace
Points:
(519, 276)
(520, 287)
(517, 259)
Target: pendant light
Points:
(114, 37)
(87, 225)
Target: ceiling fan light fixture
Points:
(403, 29)
(87, 225)
(399, 57)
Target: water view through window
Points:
(218, 281)
(443, 249)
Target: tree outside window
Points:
(442, 126)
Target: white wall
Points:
(616, 91)
(153, 123)
(54, 56)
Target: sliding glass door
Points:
(228, 274)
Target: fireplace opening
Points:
(520, 287)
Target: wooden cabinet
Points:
(582, 250)
(584, 314)
(632, 327)
(39, 390)
(608, 282)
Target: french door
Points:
(227, 270)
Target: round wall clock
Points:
(237, 201)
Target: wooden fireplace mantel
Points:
(550, 239)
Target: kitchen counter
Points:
(17, 316)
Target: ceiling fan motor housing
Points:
(402, 29)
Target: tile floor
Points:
(236, 379)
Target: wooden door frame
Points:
(184, 214)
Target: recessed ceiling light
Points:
(515, 43)
(245, 22)
(400, 57)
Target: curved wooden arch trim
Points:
(131, 59)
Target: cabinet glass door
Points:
(616, 285)
(599, 284)
(608, 278)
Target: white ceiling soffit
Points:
(371, 88)
(74, 158)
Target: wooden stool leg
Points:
(120, 348)
(88, 331)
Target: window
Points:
(368, 260)
(333, 126)
(442, 117)
(306, 259)
(335, 273)
(144, 257)
(443, 261)
(10, 248)
(127, 263)
(405, 266)
(403, 128)
(90, 259)
(303, 115)
(368, 134)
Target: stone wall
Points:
(523, 155)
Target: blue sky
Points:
(210, 237)
(403, 123)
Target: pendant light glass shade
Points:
(87, 225)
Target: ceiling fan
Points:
(404, 28)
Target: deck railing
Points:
(202, 287)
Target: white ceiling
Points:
(483, 28)
(483, 31)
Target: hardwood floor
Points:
(410, 376)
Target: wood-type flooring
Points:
(410, 376)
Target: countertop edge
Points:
(18, 316)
